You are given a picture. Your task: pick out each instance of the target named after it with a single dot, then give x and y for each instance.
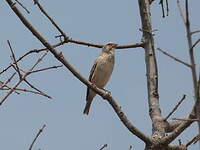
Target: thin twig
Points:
(69, 40)
(193, 140)
(101, 45)
(33, 87)
(193, 63)
(104, 146)
(185, 119)
(167, 5)
(4, 84)
(44, 69)
(36, 2)
(194, 32)
(23, 6)
(195, 44)
(30, 52)
(175, 58)
(181, 12)
(162, 6)
(23, 78)
(37, 135)
(14, 59)
(175, 108)
(61, 58)
(29, 91)
(8, 80)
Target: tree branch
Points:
(151, 69)
(61, 58)
(175, 58)
(69, 40)
(37, 135)
(14, 59)
(23, 78)
(175, 108)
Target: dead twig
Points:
(36, 2)
(61, 58)
(44, 69)
(23, 6)
(14, 59)
(175, 58)
(181, 12)
(4, 84)
(193, 140)
(185, 119)
(23, 78)
(70, 40)
(30, 52)
(175, 108)
(194, 32)
(33, 87)
(29, 91)
(195, 44)
(104, 146)
(37, 135)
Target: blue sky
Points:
(97, 22)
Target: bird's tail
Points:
(87, 107)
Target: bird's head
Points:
(109, 47)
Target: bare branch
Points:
(151, 71)
(33, 87)
(175, 108)
(167, 5)
(185, 119)
(193, 140)
(194, 32)
(176, 147)
(37, 135)
(67, 39)
(61, 58)
(23, 6)
(126, 122)
(23, 78)
(195, 44)
(104, 146)
(8, 80)
(29, 91)
(175, 58)
(44, 69)
(181, 12)
(186, 122)
(4, 84)
(192, 61)
(36, 2)
(171, 125)
(101, 45)
(14, 59)
(30, 52)
(162, 6)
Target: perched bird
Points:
(101, 72)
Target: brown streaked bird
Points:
(101, 72)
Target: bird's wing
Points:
(90, 77)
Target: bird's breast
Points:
(104, 70)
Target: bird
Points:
(100, 72)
